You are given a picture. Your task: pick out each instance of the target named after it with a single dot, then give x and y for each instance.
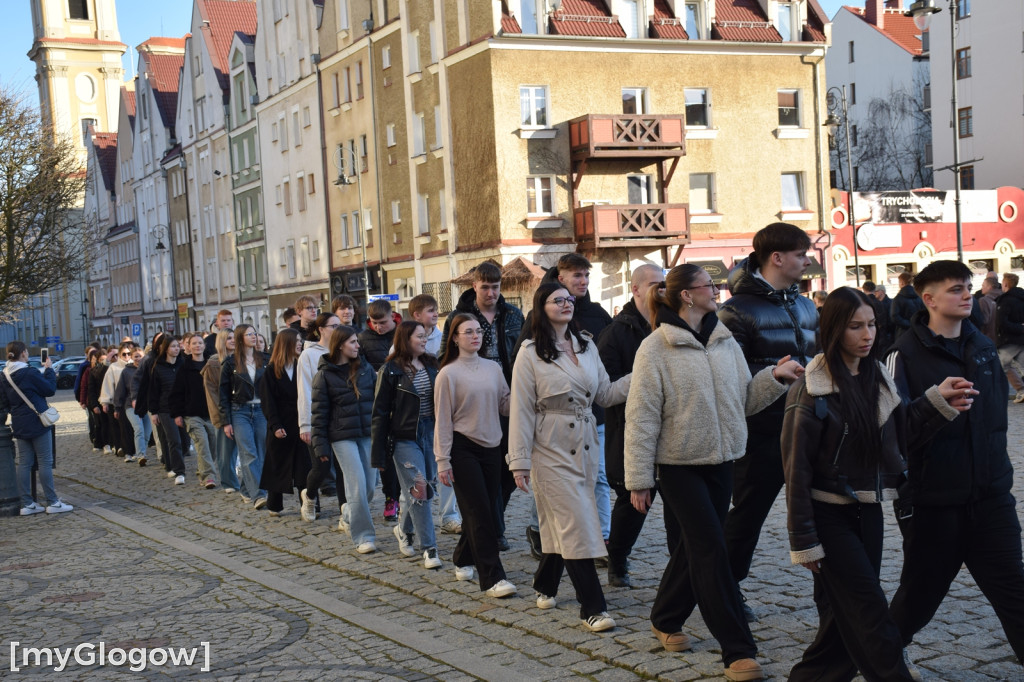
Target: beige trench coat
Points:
(553, 433)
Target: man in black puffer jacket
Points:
(960, 510)
(1009, 327)
(770, 320)
(905, 305)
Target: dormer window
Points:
(694, 21)
(786, 21)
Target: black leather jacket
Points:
(396, 411)
(508, 323)
(769, 324)
(236, 388)
(337, 413)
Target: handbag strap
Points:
(10, 380)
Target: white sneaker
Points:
(34, 508)
(404, 542)
(179, 480)
(545, 603)
(430, 559)
(452, 527)
(501, 589)
(342, 526)
(171, 474)
(366, 548)
(106, 449)
(599, 623)
(1019, 398)
(58, 507)
(128, 459)
(464, 573)
(229, 490)
(308, 511)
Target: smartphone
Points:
(44, 355)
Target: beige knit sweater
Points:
(469, 394)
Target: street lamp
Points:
(160, 231)
(832, 123)
(922, 11)
(345, 180)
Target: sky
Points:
(137, 20)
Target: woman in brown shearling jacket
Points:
(843, 437)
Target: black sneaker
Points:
(748, 612)
(502, 544)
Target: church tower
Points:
(77, 50)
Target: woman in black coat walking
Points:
(287, 460)
(173, 439)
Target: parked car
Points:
(67, 372)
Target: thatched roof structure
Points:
(518, 273)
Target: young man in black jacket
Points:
(960, 510)
(770, 320)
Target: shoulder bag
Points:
(48, 417)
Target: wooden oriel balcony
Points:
(628, 225)
(627, 135)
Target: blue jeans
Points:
(203, 436)
(250, 428)
(414, 459)
(227, 461)
(38, 451)
(142, 428)
(353, 457)
(602, 493)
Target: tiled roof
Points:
(509, 24)
(585, 18)
(173, 152)
(225, 17)
(163, 41)
(164, 73)
(665, 24)
(106, 155)
(743, 20)
(814, 29)
(897, 28)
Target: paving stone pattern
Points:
(144, 563)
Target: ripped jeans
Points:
(417, 473)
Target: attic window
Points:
(78, 9)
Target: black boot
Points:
(618, 572)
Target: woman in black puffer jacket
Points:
(173, 439)
(343, 391)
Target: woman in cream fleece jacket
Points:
(686, 422)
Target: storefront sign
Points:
(925, 206)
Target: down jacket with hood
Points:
(337, 412)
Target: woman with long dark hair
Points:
(100, 432)
(191, 411)
(173, 438)
(225, 452)
(240, 374)
(470, 396)
(287, 463)
(685, 425)
(342, 407)
(403, 430)
(844, 439)
(553, 442)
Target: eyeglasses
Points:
(310, 307)
(701, 286)
(562, 301)
(330, 326)
(472, 332)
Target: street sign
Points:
(35, 343)
(60, 347)
(383, 297)
(136, 329)
(52, 339)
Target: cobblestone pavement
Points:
(146, 564)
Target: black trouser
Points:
(172, 439)
(508, 482)
(584, 578)
(983, 535)
(477, 482)
(318, 472)
(388, 480)
(855, 630)
(757, 479)
(94, 429)
(127, 433)
(698, 570)
(113, 429)
(627, 523)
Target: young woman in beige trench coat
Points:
(553, 443)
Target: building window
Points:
(357, 233)
(344, 231)
(78, 9)
(926, 97)
(385, 57)
(639, 189)
(698, 108)
(629, 18)
(389, 131)
(533, 106)
(364, 150)
(634, 100)
(396, 212)
(414, 52)
(851, 52)
(347, 84)
(296, 129)
(853, 93)
(423, 213)
(853, 136)
(792, 192)
(694, 25)
(418, 135)
(539, 200)
(965, 121)
(966, 177)
(963, 62)
(785, 23)
(359, 79)
(856, 176)
(928, 153)
(300, 192)
(963, 9)
(702, 193)
(289, 257)
(789, 108)
(286, 195)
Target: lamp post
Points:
(345, 180)
(922, 11)
(160, 232)
(832, 123)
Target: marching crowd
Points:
(714, 407)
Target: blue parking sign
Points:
(136, 330)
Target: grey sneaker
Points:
(308, 507)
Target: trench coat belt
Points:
(581, 413)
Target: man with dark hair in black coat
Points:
(904, 305)
(960, 509)
(618, 345)
(770, 320)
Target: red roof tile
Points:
(897, 28)
(664, 24)
(585, 18)
(164, 73)
(743, 20)
(814, 30)
(163, 41)
(225, 17)
(106, 156)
